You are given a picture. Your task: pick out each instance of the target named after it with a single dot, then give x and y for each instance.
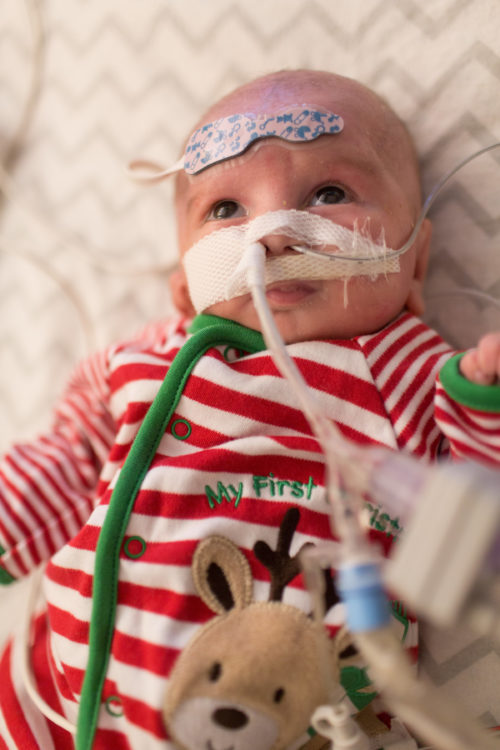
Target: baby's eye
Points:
(328, 195)
(225, 210)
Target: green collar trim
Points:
(209, 332)
(479, 397)
(205, 321)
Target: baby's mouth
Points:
(289, 293)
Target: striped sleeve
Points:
(469, 415)
(47, 486)
(405, 358)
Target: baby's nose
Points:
(278, 244)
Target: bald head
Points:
(355, 103)
(363, 175)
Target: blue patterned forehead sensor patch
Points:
(230, 136)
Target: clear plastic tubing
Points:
(425, 210)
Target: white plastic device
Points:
(421, 705)
(444, 548)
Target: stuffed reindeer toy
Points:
(252, 676)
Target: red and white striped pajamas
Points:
(235, 454)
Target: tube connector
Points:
(336, 723)
(447, 545)
(361, 588)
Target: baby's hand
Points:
(482, 364)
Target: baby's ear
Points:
(415, 300)
(180, 294)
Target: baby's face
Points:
(341, 177)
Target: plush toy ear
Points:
(222, 575)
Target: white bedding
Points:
(126, 78)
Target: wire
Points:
(422, 706)
(11, 193)
(13, 150)
(343, 465)
(12, 154)
(26, 670)
(483, 296)
(423, 709)
(92, 255)
(425, 210)
(65, 286)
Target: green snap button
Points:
(114, 706)
(231, 353)
(181, 429)
(134, 547)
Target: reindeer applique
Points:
(252, 676)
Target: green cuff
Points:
(5, 578)
(478, 397)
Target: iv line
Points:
(425, 210)
(339, 454)
(423, 706)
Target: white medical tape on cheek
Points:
(214, 273)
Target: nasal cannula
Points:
(349, 470)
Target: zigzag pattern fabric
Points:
(109, 74)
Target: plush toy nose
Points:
(230, 718)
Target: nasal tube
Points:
(425, 210)
(396, 481)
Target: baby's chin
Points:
(293, 304)
(311, 312)
(294, 325)
(289, 320)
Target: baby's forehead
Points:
(237, 125)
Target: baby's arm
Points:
(47, 485)
(482, 364)
(467, 402)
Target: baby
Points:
(179, 472)
(382, 140)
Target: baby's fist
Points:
(482, 364)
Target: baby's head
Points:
(365, 175)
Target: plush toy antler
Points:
(281, 566)
(284, 568)
(253, 675)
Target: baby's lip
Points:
(289, 293)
